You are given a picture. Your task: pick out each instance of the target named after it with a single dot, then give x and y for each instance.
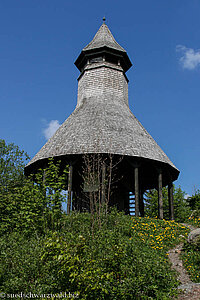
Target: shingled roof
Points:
(102, 121)
(103, 38)
(100, 126)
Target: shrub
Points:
(191, 259)
(20, 263)
(124, 259)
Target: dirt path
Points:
(191, 290)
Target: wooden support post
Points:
(103, 183)
(69, 190)
(160, 196)
(75, 202)
(81, 202)
(125, 203)
(43, 182)
(171, 201)
(136, 174)
(141, 204)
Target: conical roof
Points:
(99, 126)
(103, 38)
(103, 122)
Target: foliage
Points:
(20, 263)
(99, 177)
(12, 162)
(96, 255)
(123, 260)
(191, 259)
(191, 251)
(22, 209)
(158, 234)
(194, 219)
(194, 201)
(181, 208)
(34, 207)
(52, 181)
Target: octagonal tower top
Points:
(104, 46)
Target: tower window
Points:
(96, 59)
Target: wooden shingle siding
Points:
(102, 121)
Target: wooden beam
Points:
(126, 203)
(171, 200)
(160, 196)
(103, 183)
(141, 203)
(43, 182)
(136, 175)
(75, 201)
(69, 190)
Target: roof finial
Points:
(104, 20)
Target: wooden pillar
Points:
(69, 193)
(160, 196)
(141, 203)
(75, 201)
(103, 183)
(81, 201)
(126, 202)
(171, 201)
(43, 182)
(136, 175)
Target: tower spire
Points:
(104, 44)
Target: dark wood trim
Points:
(136, 175)
(103, 184)
(69, 190)
(141, 203)
(160, 196)
(171, 200)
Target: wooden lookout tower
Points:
(102, 123)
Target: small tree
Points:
(29, 204)
(52, 182)
(194, 201)
(12, 163)
(99, 177)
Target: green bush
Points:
(120, 260)
(109, 266)
(195, 219)
(115, 262)
(20, 263)
(191, 259)
(35, 205)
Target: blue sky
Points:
(41, 39)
